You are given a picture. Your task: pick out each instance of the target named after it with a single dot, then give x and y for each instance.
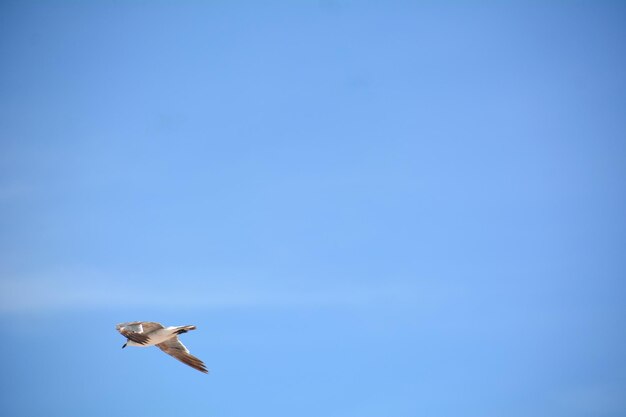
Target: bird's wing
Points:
(134, 326)
(133, 331)
(175, 348)
(150, 326)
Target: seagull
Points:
(148, 333)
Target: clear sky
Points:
(367, 208)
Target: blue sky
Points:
(367, 208)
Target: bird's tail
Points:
(184, 329)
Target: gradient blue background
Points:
(367, 208)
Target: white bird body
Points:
(149, 333)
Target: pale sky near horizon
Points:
(367, 208)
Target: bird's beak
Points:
(124, 346)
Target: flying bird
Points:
(148, 333)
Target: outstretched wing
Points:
(175, 348)
(150, 326)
